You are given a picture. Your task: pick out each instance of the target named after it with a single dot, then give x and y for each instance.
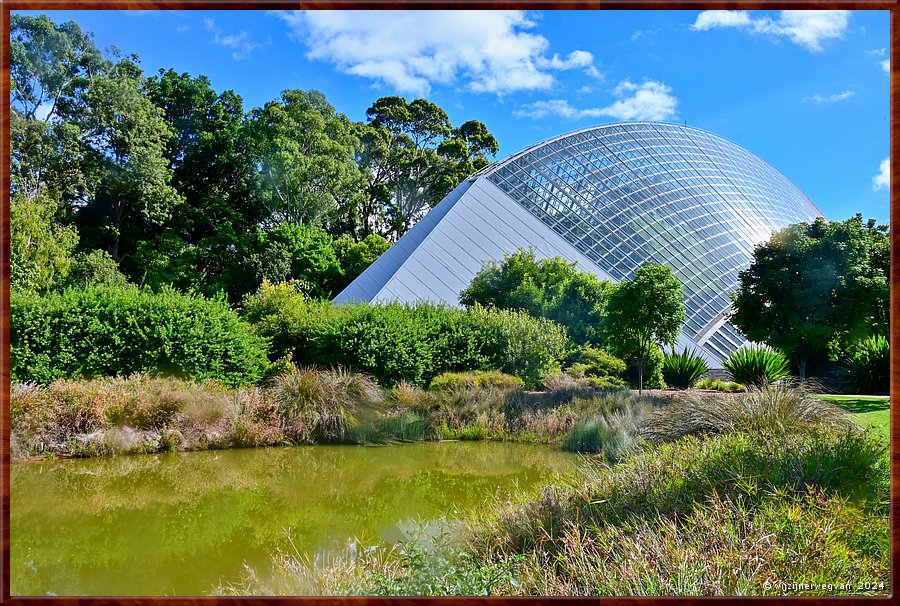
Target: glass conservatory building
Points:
(609, 197)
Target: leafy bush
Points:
(550, 288)
(868, 368)
(107, 331)
(96, 267)
(653, 363)
(519, 344)
(355, 257)
(291, 323)
(682, 370)
(598, 363)
(449, 381)
(413, 343)
(756, 365)
(395, 342)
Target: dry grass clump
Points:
(780, 407)
(323, 405)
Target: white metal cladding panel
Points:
(368, 284)
(483, 225)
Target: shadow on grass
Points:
(859, 405)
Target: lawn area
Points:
(868, 411)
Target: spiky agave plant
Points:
(682, 370)
(757, 365)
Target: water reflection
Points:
(181, 523)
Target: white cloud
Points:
(883, 179)
(836, 98)
(640, 33)
(486, 51)
(593, 72)
(241, 43)
(647, 101)
(886, 65)
(710, 19)
(575, 60)
(877, 52)
(808, 29)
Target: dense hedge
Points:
(412, 343)
(106, 331)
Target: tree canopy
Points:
(184, 187)
(815, 287)
(549, 288)
(644, 313)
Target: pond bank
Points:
(142, 414)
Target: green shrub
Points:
(107, 331)
(719, 385)
(868, 368)
(653, 377)
(95, 268)
(394, 342)
(596, 363)
(519, 344)
(682, 370)
(756, 365)
(449, 381)
(291, 323)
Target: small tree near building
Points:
(816, 287)
(643, 313)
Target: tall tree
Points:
(816, 286)
(413, 157)
(127, 135)
(306, 154)
(644, 313)
(208, 154)
(50, 68)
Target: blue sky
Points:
(806, 90)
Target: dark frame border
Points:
(8, 5)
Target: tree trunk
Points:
(641, 375)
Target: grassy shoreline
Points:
(779, 488)
(690, 493)
(144, 414)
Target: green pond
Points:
(182, 523)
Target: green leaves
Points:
(550, 288)
(643, 313)
(816, 286)
(105, 331)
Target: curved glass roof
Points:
(623, 194)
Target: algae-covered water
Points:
(182, 523)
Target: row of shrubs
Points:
(106, 331)
(721, 495)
